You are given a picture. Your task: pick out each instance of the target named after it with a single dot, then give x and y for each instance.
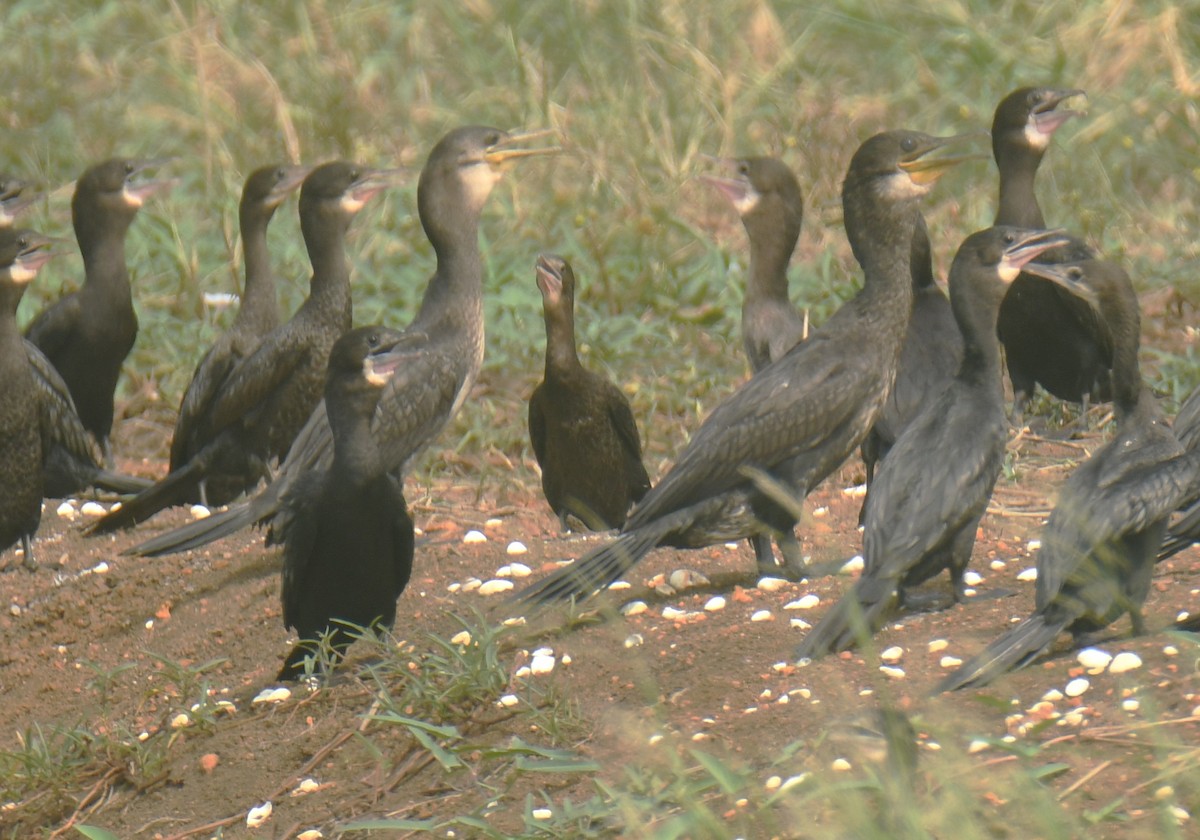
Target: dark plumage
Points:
(1185, 531)
(348, 551)
(797, 419)
(1098, 548)
(582, 429)
(1050, 337)
(21, 255)
(14, 198)
(930, 493)
(265, 400)
(444, 342)
(87, 334)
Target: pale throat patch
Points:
(376, 379)
(901, 186)
(351, 204)
(21, 274)
(132, 198)
(478, 180)
(1007, 270)
(747, 202)
(1034, 136)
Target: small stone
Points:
(772, 584)
(515, 621)
(199, 512)
(181, 721)
(997, 565)
(495, 586)
(701, 736)
(1033, 545)
(799, 623)
(516, 547)
(949, 662)
(1076, 687)
(972, 578)
(493, 522)
(686, 579)
(92, 509)
(306, 786)
(854, 564)
(272, 695)
(674, 613)
(819, 512)
(507, 701)
(519, 570)
(209, 762)
(1164, 793)
(773, 783)
(67, 511)
(100, 568)
(806, 603)
(856, 491)
(654, 739)
(1029, 574)
(1052, 696)
(541, 813)
(792, 781)
(310, 834)
(762, 615)
(541, 664)
(619, 584)
(474, 537)
(840, 764)
(471, 584)
(462, 637)
(938, 645)
(714, 603)
(258, 815)
(892, 672)
(977, 746)
(893, 654)
(1125, 661)
(1130, 704)
(1180, 814)
(1094, 660)
(1170, 650)
(634, 640)
(634, 608)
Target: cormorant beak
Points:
(738, 190)
(923, 170)
(12, 188)
(1070, 276)
(382, 364)
(137, 191)
(1046, 119)
(502, 152)
(33, 255)
(369, 184)
(293, 177)
(14, 201)
(549, 269)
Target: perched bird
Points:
(1051, 338)
(22, 253)
(924, 508)
(767, 197)
(1098, 547)
(263, 402)
(348, 550)
(796, 420)
(582, 429)
(445, 339)
(88, 333)
(929, 358)
(257, 316)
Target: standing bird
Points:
(265, 399)
(797, 419)
(924, 508)
(1098, 547)
(445, 341)
(1050, 337)
(88, 333)
(348, 551)
(582, 429)
(22, 254)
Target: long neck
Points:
(921, 257)
(880, 231)
(1018, 204)
(259, 301)
(10, 297)
(325, 238)
(772, 237)
(560, 337)
(455, 293)
(101, 238)
(976, 306)
(355, 452)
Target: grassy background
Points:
(638, 91)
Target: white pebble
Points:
(792, 781)
(762, 615)
(855, 491)
(1094, 659)
(462, 637)
(492, 587)
(799, 623)
(840, 764)
(472, 537)
(773, 783)
(522, 672)
(311, 834)
(454, 587)
(1052, 696)
(258, 815)
(620, 584)
(150, 624)
(1125, 661)
(99, 569)
(181, 721)
(508, 701)
(516, 547)
(1180, 814)
(566, 659)
(654, 739)
(977, 746)
(67, 511)
(806, 603)
(634, 608)
(950, 661)
(471, 584)
(1034, 545)
(543, 651)
(541, 813)
(541, 664)
(997, 565)
(309, 785)
(519, 570)
(1170, 650)
(92, 509)
(199, 512)
(673, 613)
(714, 603)
(634, 640)
(494, 522)
(893, 654)
(938, 645)
(1130, 704)
(972, 578)
(686, 579)
(1028, 575)
(272, 695)
(854, 564)
(772, 584)
(821, 511)
(1077, 687)
(516, 621)
(891, 672)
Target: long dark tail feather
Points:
(592, 571)
(1013, 650)
(115, 482)
(853, 620)
(198, 533)
(1182, 534)
(176, 488)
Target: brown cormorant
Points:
(87, 334)
(926, 502)
(797, 419)
(582, 429)
(265, 399)
(445, 340)
(1098, 548)
(348, 548)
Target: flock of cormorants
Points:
(330, 417)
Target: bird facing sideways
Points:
(932, 490)
(580, 424)
(1098, 547)
(797, 419)
(348, 550)
(446, 337)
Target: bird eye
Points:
(23, 242)
(280, 174)
(492, 139)
(908, 144)
(1075, 272)
(128, 168)
(743, 168)
(373, 339)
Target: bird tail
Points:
(853, 620)
(120, 483)
(177, 488)
(198, 533)
(593, 571)
(1182, 534)
(1013, 650)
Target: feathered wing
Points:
(1016, 648)
(51, 329)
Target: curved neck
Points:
(561, 353)
(880, 231)
(355, 453)
(976, 307)
(772, 232)
(1018, 204)
(455, 291)
(325, 238)
(259, 300)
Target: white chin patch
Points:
(351, 204)
(747, 202)
(1008, 271)
(1034, 136)
(21, 274)
(900, 187)
(478, 179)
(133, 199)
(376, 379)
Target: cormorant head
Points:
(1031, 114)
(897, 165)
(114, 188)
(23, 253)
(14, 197)
(344, 185)
(764, 183)
(476, 157)
(365, 354)
(268, 186)
(555, 279)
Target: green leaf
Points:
(384, 825)
(563, 764)
(93, 833)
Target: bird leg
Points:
(1137, 621)
(30, 562)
